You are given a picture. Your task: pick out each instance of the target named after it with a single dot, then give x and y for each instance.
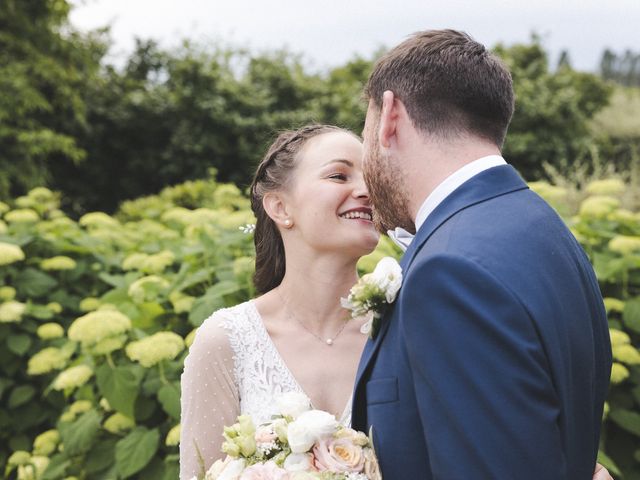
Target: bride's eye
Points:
(338, 176)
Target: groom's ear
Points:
(276, 207)
(388, 118)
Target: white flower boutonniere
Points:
(373, 293)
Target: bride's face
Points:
(328, 199)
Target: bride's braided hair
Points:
(273, 174)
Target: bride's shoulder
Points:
(225, 320)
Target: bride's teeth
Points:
(362, 215)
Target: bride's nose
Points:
(360, 189)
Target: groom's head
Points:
(451, 90)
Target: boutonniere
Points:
(373, 293)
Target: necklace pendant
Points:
(329, 341)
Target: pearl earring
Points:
(287, 223)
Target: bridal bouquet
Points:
(298, 444)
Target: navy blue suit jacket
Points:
(494, 360)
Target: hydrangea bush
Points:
(96, 317)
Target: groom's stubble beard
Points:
(386, 190)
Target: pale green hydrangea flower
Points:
(605, 412)
(108, 345)
(613, 304)
(188, 341)
(55, 307)
(619, 373)
(626, 354)
(624, 244)
(4, 208)
(46, 360)
(618, 337)
(153, 349)
(156, 263)
(118, 423)
(89, 304)
(173, 437)
(22, 215)
(229, 196)
(10, 253)
(3, 227)
(104, 403)
(147, 288)
(609, 186)
(623, 216)
(12, 311)
(551, 193)
(598, 206)
(232, 220)
(46, 443)
(181, 303)
(37, 465)
(67, 417)
(98, 220)
(94, 327)
(72, 377)
(178, 215)
(41, 194)
(51, 330)
(19, 457)
(135, 261)
(59, 262)
(80, 406)
(7, 293)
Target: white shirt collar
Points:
(442, 191)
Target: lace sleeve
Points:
(209, 397)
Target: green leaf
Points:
(101, 456)
(19, 343)
(39, 312)
(78, 436)
(172, 467)
(609, 464)
(21, 395)
(119, 386)
(169, 397)
(117, 281)
(631, 314)
(34, 283)
(626, 419)
(56, 468)
(212, 300)
(147, 312)
(135, 450)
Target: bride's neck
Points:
(315, 285)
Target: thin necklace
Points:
(328, 341)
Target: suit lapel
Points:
(489, 184)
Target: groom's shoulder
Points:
(499, 227)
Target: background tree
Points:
(45, 67)
(553, 110)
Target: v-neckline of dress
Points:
(268, 341)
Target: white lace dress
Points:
(233, 367)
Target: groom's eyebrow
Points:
(349, 163)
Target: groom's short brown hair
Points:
(449, 83)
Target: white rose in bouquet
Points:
(227, 469)
(310, 427)
(292, 404)
(298, 462)
(388, 277)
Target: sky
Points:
(330, 32)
